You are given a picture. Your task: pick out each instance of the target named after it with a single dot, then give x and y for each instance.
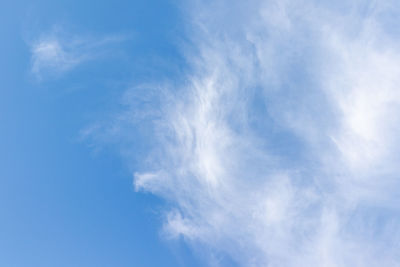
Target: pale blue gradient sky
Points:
(62, 202)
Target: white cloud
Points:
(51, 55)
(56, 52)
(281, 148)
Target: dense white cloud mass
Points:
(281, 149)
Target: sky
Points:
(200, 133)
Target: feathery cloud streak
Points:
(281, 148)
(56, 52)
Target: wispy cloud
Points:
(56, 52)
(281, 148)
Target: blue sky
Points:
(199, 133)
(62, 202)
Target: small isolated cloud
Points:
(56, 53)
(281, 148)
(50, 55)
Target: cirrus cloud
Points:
(55, 53)
(280, 148)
